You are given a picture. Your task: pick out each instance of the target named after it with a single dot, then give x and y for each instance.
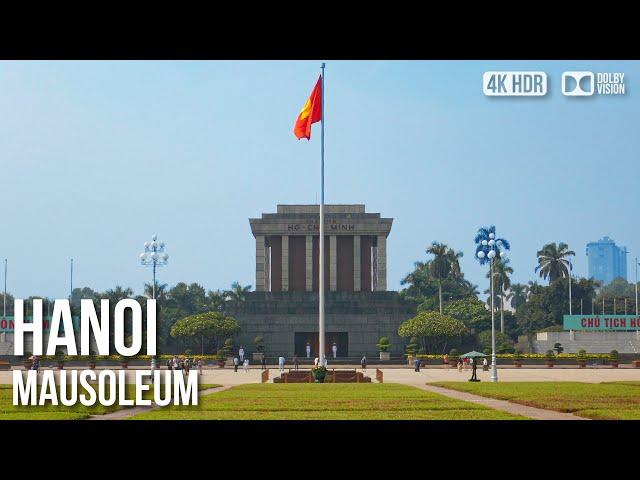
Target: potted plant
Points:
(517, 359)
(549, 359)
(221, 358)
(258, 355)
(581, 358)
(412, 349)
(614, 359)
(384, 346)
(319, 373)
(59, 358)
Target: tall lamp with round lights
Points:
(486, 251)
(154, 256)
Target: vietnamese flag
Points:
(310, 113)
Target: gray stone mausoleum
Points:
(283, 309)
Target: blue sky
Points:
(95, 157)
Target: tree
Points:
(501, 272)
(421, 286)
(470, 311)
(161, 291)
(553, 261)
(518, 294)
(238, 293)
(434, 330)
(210, 326)
(504, 344)
(441, 265)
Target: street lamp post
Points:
(636, 286)
(154, 256)
(491, 254)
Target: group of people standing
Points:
(184, 364)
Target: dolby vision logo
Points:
(578, 84)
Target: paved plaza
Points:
(407, 376)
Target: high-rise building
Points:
(606, 260)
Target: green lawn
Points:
(607, 401)
(326, 402)
(50, 412)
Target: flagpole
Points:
(321, 258)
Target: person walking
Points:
(316, 362)
(245, 365)
(474, 366)
(460, 364)
(264, 362)
(169, 364)
(485, 364)
(236, 362)
(417, 365)
(363, 364)
(200, 365)
(281, 363)
(296, 363)
(445, 360)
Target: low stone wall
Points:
(592, 342)
(365, 316)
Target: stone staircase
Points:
(592, 342)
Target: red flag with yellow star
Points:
(310, 113)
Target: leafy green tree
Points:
(434, 330)
(210, 326)
(470, 311)
(504, 344)
(553, 261)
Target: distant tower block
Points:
(287, 249)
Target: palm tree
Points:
(486, 235)
(440, 266)
(161, 291)
(501, 272)
(238, 293)
(518, 294)
(553, 261)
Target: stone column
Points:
(309, 263)
(285, 263)
(381, 260)
(356, 263)
(260, 284)
(333, 264)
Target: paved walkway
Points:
(130, 412)
(503, 405)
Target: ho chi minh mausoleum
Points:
(283, 309)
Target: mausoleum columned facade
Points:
(283, 309)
